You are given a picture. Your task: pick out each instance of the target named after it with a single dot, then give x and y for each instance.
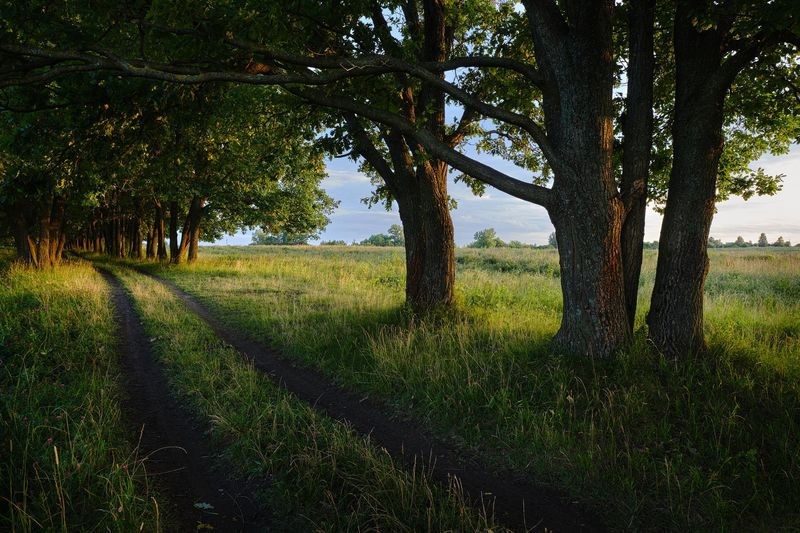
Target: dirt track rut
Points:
(177, 453)
(517, 503)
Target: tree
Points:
(762, 240)
(551, 75)
(396, 233)
(715, 243)
(486, 238)
(779, 242)
(551, 240)
(740, 242)
(568, 100)
(261, 237)
(393, 238)
(714, 45)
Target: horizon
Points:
(352, 221)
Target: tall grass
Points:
(323, 476)
(65, 463)
(696, 444)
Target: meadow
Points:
(649, 443)
(646, 443)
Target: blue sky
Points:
(518, 220)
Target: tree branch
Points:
(366, 149)
(435, 148)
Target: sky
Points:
(515, 219)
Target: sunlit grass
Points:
(323, 476)
(65, 462)
(698, 444)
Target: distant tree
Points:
(262, 237)
(486, 238)
(780, 242)
(715, 243)
(396, 233)
(333, 243)
(762, 240)
(551, 240)
(393, 238)
(740, 242)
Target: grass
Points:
(702, 444)
(323, 476)
(65, 463)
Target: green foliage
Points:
(284, 238)
(486, 238)
(394, 237)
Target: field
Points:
(640, 442)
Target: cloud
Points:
(343, 178)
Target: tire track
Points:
(517, 503)
(177, 453)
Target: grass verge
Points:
(65, 463)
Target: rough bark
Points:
(675, 319)
(637, 129)
(429, 245)
(575, 58)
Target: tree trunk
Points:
(43, 259)
(193, 220)
(151, 240)
(429, 245)
(136, 238)
(575, 57)
(638, 134)
(56, 233)
(676, 311)
(173, 231)
(158, 223)
(62, 240)
(594, 320)
(183, 246)
(22, 239)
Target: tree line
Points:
(134, 162)
(708, 88)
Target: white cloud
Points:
(342, 178)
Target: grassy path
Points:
(177, 452)
(324, 476)
(517, 504)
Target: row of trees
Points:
(103, 165)
(487, 238)
(709, 86)
(741, 243)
